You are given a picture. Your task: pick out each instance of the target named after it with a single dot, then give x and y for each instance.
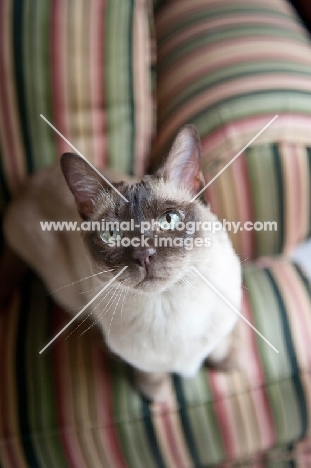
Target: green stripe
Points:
(241, 106)
(224, 35)
(266, 198)
(131, 88)
(281, 200)
(250, 105)
(189, 437)
(151, 436)
(281, 370)
(118, 82)
(22, 380)
(80, 373)
(132, 418)
(136, 424)
(227, 75)
(199, 415)
(126, 424)
(263, 301)
(19, 72)
(42, 402)
(43, 99)
(300, 398)
(85, 373)
(209, 13)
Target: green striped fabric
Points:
(74, 406)
(229, 68)
(268, 183)
(86, 67)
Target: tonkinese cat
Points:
(159, 314)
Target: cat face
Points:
(147, 233)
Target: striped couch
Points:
(118, 78)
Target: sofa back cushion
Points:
(86, 67)
(230, 68)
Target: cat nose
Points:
(143, 256)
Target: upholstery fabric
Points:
(86, 67)
(74, 406)
(229, 68)
(266, 183)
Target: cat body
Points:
(159, 315)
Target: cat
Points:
(158, 315)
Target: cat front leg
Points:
(155, 386)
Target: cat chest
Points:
(165, 336)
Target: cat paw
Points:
(227, 357)
(156, 387)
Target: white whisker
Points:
(122, 307)
(101, 314)
(114, 311)
(78, 281)
(78, 326)
(93, 289)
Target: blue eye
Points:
(169, 220)
(106, 236)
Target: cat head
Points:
(164, 200)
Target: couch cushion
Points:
(268, 191)
(86, 67)
(229, 68)
(75, 406)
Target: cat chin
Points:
(151, 286)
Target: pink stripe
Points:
(244, 195)
(222, 411)
(256, 376)
(211, 25)
(99, 397)
(295, 182)
(58, 54)
(10, 153)
(105, 406)
(252, 125)
(237, 87)
(256, 382)
(167, 426)
(197, 65)
(61, 373)
(293, 197)
(169, 14)
(285, 125)
(97, 64)
(242, 187)
(285, 281)
(8, 434)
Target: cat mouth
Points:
(149, 279)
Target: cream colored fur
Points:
(156, 332)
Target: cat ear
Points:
(84, 182)
(182, 166)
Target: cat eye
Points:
(169, 220)
(108, 235)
